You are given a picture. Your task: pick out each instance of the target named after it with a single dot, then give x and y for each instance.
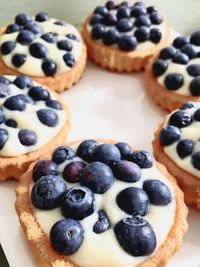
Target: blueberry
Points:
(105, 153)
(102, 224)
(139, 3)
(48, 117)
(123, 12)
(155, 35)
(53, 104)
(42, 16)
(142, 34)
(142, 158)
(37, 50)
(180, 119)
(62, 154)
(22, 19)
(136, 236)
(11, 123)
(110, 5)
(189, 50)
(48, 191)
(156, 18)
(127, 43)
(193, 70)
(98, 31)
(180, 58)
(98, 177)
(195, 38)
(59, 23)
(173, 81)
(15, 102)
(73, 171)
(27, 137)
(111, 37)
(33, 27)
(72, 37)
(138, 11)
(69, 60)
(151, 9)
(4, 90)
(7, 47)
(4, 80)
(195, 86)
(109, 19)
(66, 236)
(126, 171)
(159, 67)
(3, 137)
(49, 37)
(124, 3)
(167, 53)
(158, 192)
(25, 37)
(169, 134)
(23, 82)
(65, 45)
(185, 148)
(180, 41)
(18, 60)
(96, 18)
(101, 10)
(124, 148)
(197, 115)
(124, 25)
(86, 148)
(43, 168)
(2, 117)
(49, 67)
(196, 160)
(26, 98)
(38, 93)
(143, 21)
(187, 105)
(78, 203)
(12, 28)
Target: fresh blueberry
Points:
(42, 16)
(102, 224)
(15, 102)
(139, 3)
(25, 37)
(43, 168)
(2, 117)
(169, 134)
(124, 3)
(110, 5)
(142, 158)
(86, 148)
(18, 60)
(65, 45)
(151, 9)
(73, 171)
(197, 115)
(78, 203)
(101, 10)
(49, 67)
(195, 38)
(109, 19)
(48, 117)
(127, 43)
(142, 34)
(33, 27)
(185, 148)
(187, 105)
(4, 90)
(4, 80)
(124, 25)
(126, 171)
(180, 119)
(136, 236)
(22, 19)
(158, 192)
(98, 177)
(193, 70)
(195, 86)
(66, 236)
(143, 21)
(69, 60)
(98, 31)
(11, 123)
(123, 12)
(138, 11)
(124, 148)
(111, 37)
(96, 18)
(180, 41)
(189, 50)
(59, 23)
(23, 82)
(72, 37)
(26, 98)
(159, 67)
(49, 37)
(48, 191)
(3, 137)
(12, 28)
(105, 153)
(53, 104)
(27, 137)
(38, 93)
(196, 160)
(155, 35)
(180, 58)
(62, 154)
(167, 53)
(156, 18)
(7, 47)
(38, 50)
(173, 81)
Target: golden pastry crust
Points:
(167, 100)
(14, 167)
(117, 60)
(45, 255)
(58, 82)
(189, 183)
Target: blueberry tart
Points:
(48, 50)
(173, 75)
(100, 203)
(177, 146)
(123, 36)
(33, 121)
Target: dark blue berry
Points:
(127, 43)
(48, 117)
(151, 9)
(169, 134)
(22, 19)
(156, 18)
(159, 67)
(43, 168)
(2, 117)
(124, 3)
(23, 82)
(65, 45)
(124, 25)
(189, 50)
(143, 21)
(15, 102)
(18, 60)
(7, 47)
(59, 23)
(155, 35)
(110, 5)
(26, 98)
(38, 93)
(53, 104)
(69, 60)
(142, 34)
(96, 18)
(27, 137)
(197, 115)
(101, 10)
(62, 154)
(86, 148)
(185, 148)
(12, 28)
(173, 81)
(180, 41)
(180, 58)
(105, 153)
(38, 50)
(72, 36)
(42, 16)
(167, 53)
(11, 123)
(109, 19)
(196, 160)
(195, 86)
(102, 224)
(123, 12)
(180, 119)
(193, 70)
(73, 171)
(66, 236)
(195, 38)
(33, 27)
(124, 148)
(138, 11)
(49, 37)
(98, 31)
(187, 105)
(111, 37)
(25, 37)
(4, 80)
(49, 67)
(4, 89)
(3, 137)
(142, 158)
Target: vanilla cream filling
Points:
(103, 249)
(32, 65)
(28, 119)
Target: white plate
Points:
(105, 105)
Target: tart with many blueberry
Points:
(173, 76)
(99, 203)
(49, 50)
(124, 36)
(33, 121)
(177, 146)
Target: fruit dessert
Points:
(97, 203)
(33, 121)
(176, 145)
(48, 50)
(173, 75)
(122, 37)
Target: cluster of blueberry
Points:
(30, 94)
(30, 30)
(182, 52)
(171, 133)
(73, 188)
(125, 25)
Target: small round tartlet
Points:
(173, 75)
(48, 50)
(176, 145)
(97, 203)
(123, 37)
(33, 121)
